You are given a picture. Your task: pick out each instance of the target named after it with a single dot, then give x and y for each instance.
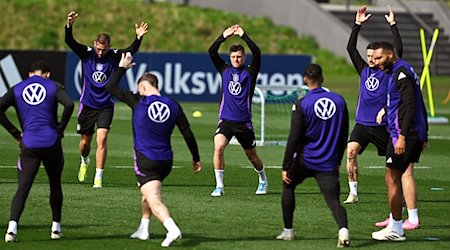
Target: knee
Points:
(352, 152)
(219, 149)
(101, 140)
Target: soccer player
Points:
(96, 104)
(315, 148)
(370, 127)
(408, 128)
(235, 115)
(372, 99)
(153, 120)
(36, 101)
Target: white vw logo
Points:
(234, 88)
(158, 112)
(372, 83)
(34, 94)
(98, 77)
(324, 108)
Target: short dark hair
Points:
(40, 66)
(103, 38)
(386, 46)
(237, 47)
(151, 78)
(314, 71)
(370, 45)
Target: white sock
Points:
(98, 173)
(85, 160)
(353, 185)
(170, 225)
(12, 227)
(289, 230)
(143, 227)
(262, 175)
(219, 177)
(397, 226)
(56, 226)
(413, 215)
(343, 230)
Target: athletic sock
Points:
(262, 175)
(170, 225)
(143, 227)
(85, 160)
(289, 230)
(353, 185)
(98, 173)
(12, 227)
(219, 177)
(413, 215)
(56, 226)
(343, 230)
(397, 226)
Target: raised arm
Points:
(213, 50)
(255, 65)
(79, 49)
(113, 87)
(355, 56)
(141, 30)
(398, 44)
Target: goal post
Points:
(272, 110)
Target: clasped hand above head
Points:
(233, 30)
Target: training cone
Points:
(197, 114)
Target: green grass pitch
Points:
(104, 218)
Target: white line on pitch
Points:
(371, 167)
(130, 167)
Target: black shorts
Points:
(243, 131)
(413, 149)
(88, 117)
(148, 170)
(378, 136)
(325, 180)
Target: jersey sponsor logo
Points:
(98, 77)
(34, 94)
(372, 83)
(234, 87)
(158, 112)
(324, 108)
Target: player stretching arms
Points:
(96, 104)
(372, 99)
(235, 115)
(154, 118)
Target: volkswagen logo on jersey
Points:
(98, 77)
(372, 83)
(34, 94)
(234, 87)
(324, 108)
(158, 112)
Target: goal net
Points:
(272, 110)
